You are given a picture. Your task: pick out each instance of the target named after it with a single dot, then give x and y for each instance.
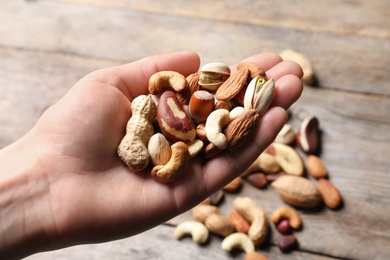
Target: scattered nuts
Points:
(287, 243)
(239, 222)
(297, 191)
(287, 213)
(197, 230)
(255, 214)
(288, 159)
(202, 211)
(217, 197)
(329, 193)
(275, 176)
(286, 135)
(265, 162)
(308, 72)
(257, 180)
(238, 240)
(284, 227)
(315, 167)
(308, 135)
(219, 225)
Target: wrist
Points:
(24, 203)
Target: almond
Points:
(239, 222)
(233, 85)
(316, 167)
(329, 193)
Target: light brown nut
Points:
(159, 149)
(219, 225)
(166, 80)
(172, 120)
(303, 61)
(239, 222)
(308, 138)
(255, 214)
(258, 180)
(211, 151)
(316, 167)
(255, 256)
(132, 149)
(266, 162)
(254, 69)
(212, 75)
(288, 159)
(197, 230)
(238, 241)
(297, 191)
(233, 85)
(241, 130)
(202, 211)
(287, 213)
(201, 105)
(201, 132)
(176, 166)
(223, 105)
(329, 193)
(234, 185)
(259, 94)
(286, 135)
(195, 147)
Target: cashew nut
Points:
(197, 230)
(171, 80)
(176, 165)
(217, 120)
(255, 214)
(287, 213)
(238, 240)
(132, 149)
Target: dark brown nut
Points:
(230, 88)
(223, 105)
(217, 197)
(201, 105)
(316, 167)
(258, 180)
(239, 222)
(172, 119)
(308, 138)
(288, 243)
(329, 193)
(234, 185)
(284, 227)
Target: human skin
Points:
(63, 184)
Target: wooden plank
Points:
(343, 17)
(76, 29)
(32, 81)
(159, 243)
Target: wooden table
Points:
(47, 45)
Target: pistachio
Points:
(212, 75)
(259, 94)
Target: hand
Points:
(85, 193)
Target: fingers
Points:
(132, 78)
(288, 89)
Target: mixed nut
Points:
(207, 112)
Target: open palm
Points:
(93, 195)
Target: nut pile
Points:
(207, 112)
(285, 168)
